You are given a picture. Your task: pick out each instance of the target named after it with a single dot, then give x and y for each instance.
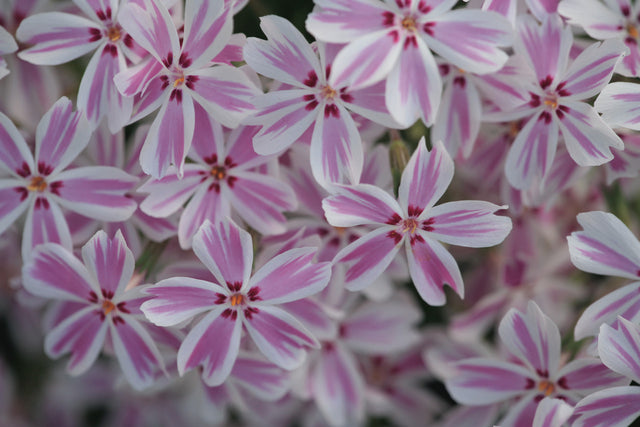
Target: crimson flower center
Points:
(236, 299)
(113, 33)
(38, 184)
(546, 387)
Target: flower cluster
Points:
(417, 212)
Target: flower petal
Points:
(606, 246)
(458, 121)
(226, 250)
(225, 92)
(480, 381)
(15, 155)
(619, 348)
(431, 267)
(587, 375)
(12, 202)
(216, 360)
(619, 104)
(178, 299)
(97, 191)
(531, 155)
(260, 200)
(284, 116)
(303, 278)
(533, 338)
(286, 56)
(149, 24)
(57, 37)
(552, 413)
(592, 69)
(260, 378)
(45, 223)
(336, 148)
(81, 334)
(207, 29)
(110, 260)
(414, 87)
(624, 302)
(168, 194)
(169, 137)
(340, 20)
(279, 336)
(359, 204)
(470, 223)
(136, 351)
(53, 272)
(205, 205)
(60, 136)
(613, 407)
(425, 178)
(470, 39)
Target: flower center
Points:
(328, 92)
(236, 299)
(177, 82)
(409, 24)
(38, 184)
(409, 225)
(546, 387)
(108, 306)
(551, 101)
(219, 172)
(633, 31)
(113, 33)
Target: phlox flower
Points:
(413, 221)
(180, 76)
(237, 302)
(556, 105)
(103, 308)
(58, 37)
(40, 185)
(535, 372)
(393, 40)
(311, 99)
(226, 177)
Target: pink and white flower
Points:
(556, 106)
(102, 306)
(536, 372)
(311, 100)
(40, 185)
(414, 221)
(180, 76)
(226, 177)
(393, 40)
(58, 37)
(7, 45)
(237, 302)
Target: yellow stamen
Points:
(108, 306)
(409, 225)
(408, 23)
(633, 31)
(218, 172)
(546, 387)
(514, 129)
(328, 92)
(113, 34)
(551, 103)
(178, 82)
(236, 299)
(37, 184)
